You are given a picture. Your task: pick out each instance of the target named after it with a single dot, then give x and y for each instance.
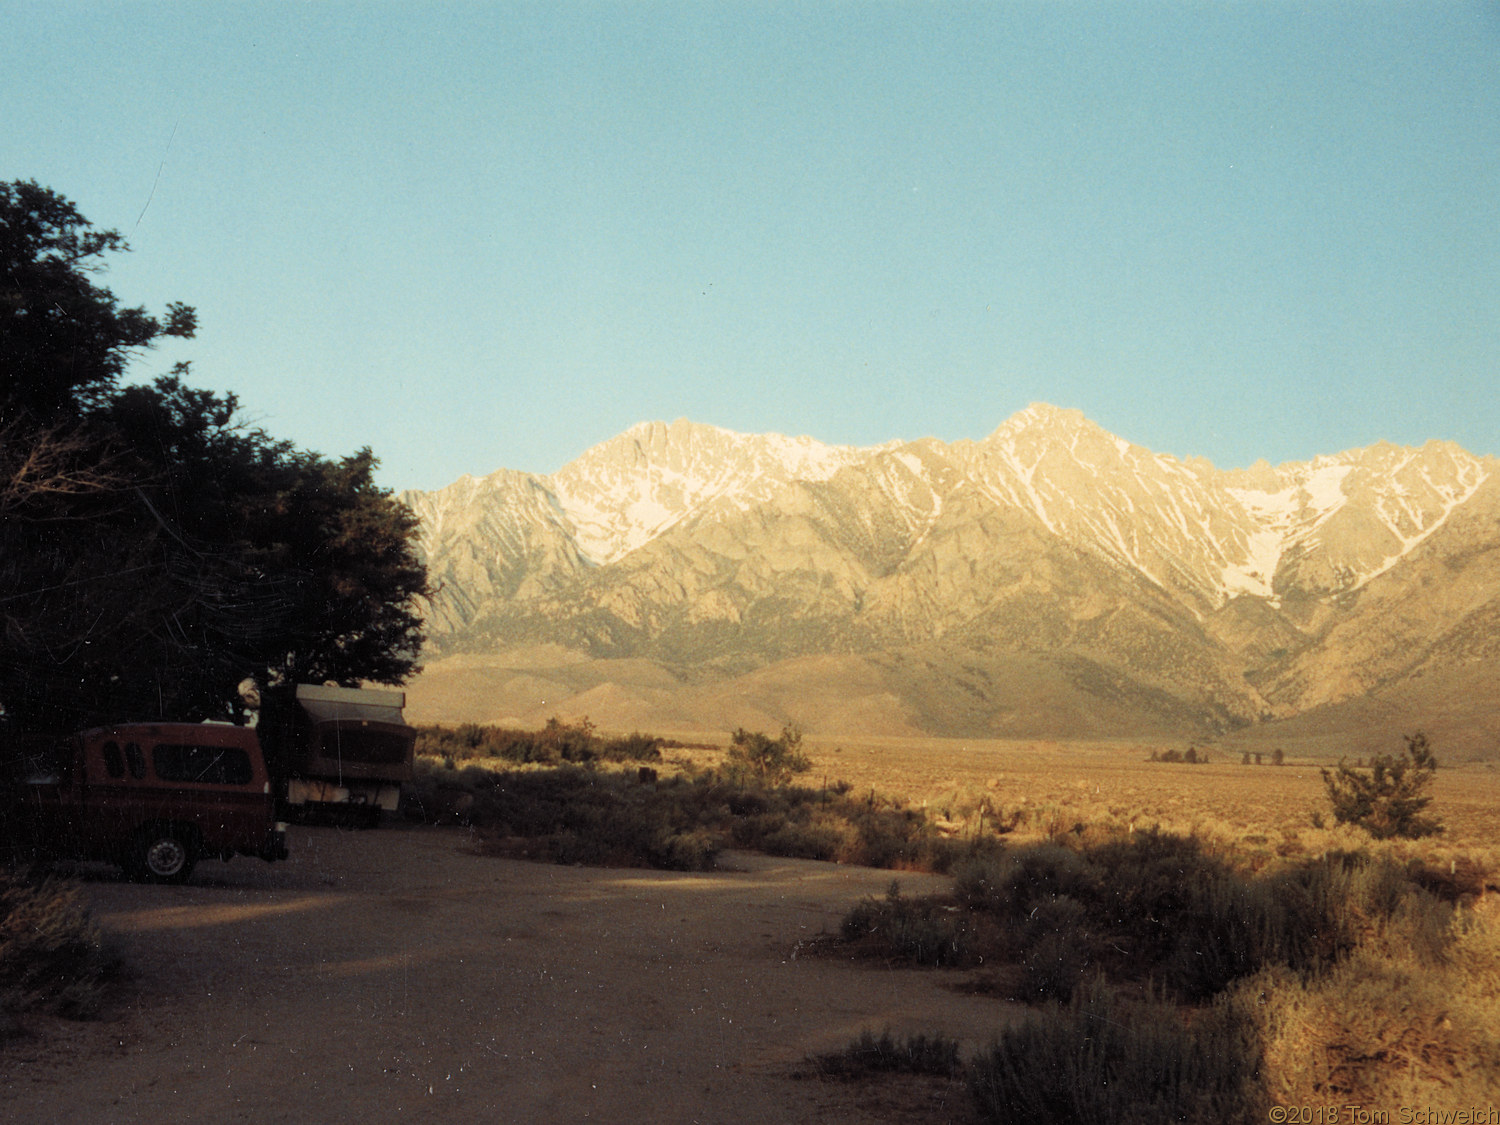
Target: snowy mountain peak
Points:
(628, 490)
(1202, 536)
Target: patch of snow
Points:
(912, 462)
(1263, 555)
(1267, 507)
(1325, 487)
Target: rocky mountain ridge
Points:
(1192, 594)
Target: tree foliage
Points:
(766, 760)
(155, 551)
(65, 342)
(1388, 798)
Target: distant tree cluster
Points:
(156, 551)
(1278, 758)
(1192, 756)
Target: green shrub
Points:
(1149, 906)
(1341, 979)
(1053, 966)
(1387, 799)
(762, 760)
(1013, 881)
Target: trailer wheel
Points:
(162, 855)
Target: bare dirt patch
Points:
(395, 974)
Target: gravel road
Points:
(396, 975)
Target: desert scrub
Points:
(885, 1053)
(762, 761)
(1150, 907)
(844, 828)
(573, 815)
(1103, 1058)
(1410, 1016)
(52, 955)
(1364, 976)
(557, 742)
(596, 813)
(927, 931)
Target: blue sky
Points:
(484, 235)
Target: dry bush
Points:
(1412, 1016)
(594, 814)
(1103, 1058)
(924, 931)
(52, 956)
(557, 742)
(1407, 1016)
(886, 1054)
(1369, 975)
(1140, 907)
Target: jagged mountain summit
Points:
(1130, 588)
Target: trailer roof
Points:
(336, 704)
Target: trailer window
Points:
(114, 764)
(207, 765)
(368, 746)
(136, 760)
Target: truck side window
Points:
(208, 765)
(136, 760)
(114, 765)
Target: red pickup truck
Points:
(154, 798)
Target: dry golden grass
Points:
(1114, 782)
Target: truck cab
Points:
(154, 798)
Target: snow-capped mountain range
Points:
(696, 546)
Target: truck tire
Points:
(162, 855)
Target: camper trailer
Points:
(338, 754)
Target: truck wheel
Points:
(162, 856)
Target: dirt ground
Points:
(397, 976)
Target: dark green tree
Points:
(310, 564)
(1387, 799)
(64, 341)
(155, 551)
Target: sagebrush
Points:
(1174, 984)
(556, 795)
(53, 957)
